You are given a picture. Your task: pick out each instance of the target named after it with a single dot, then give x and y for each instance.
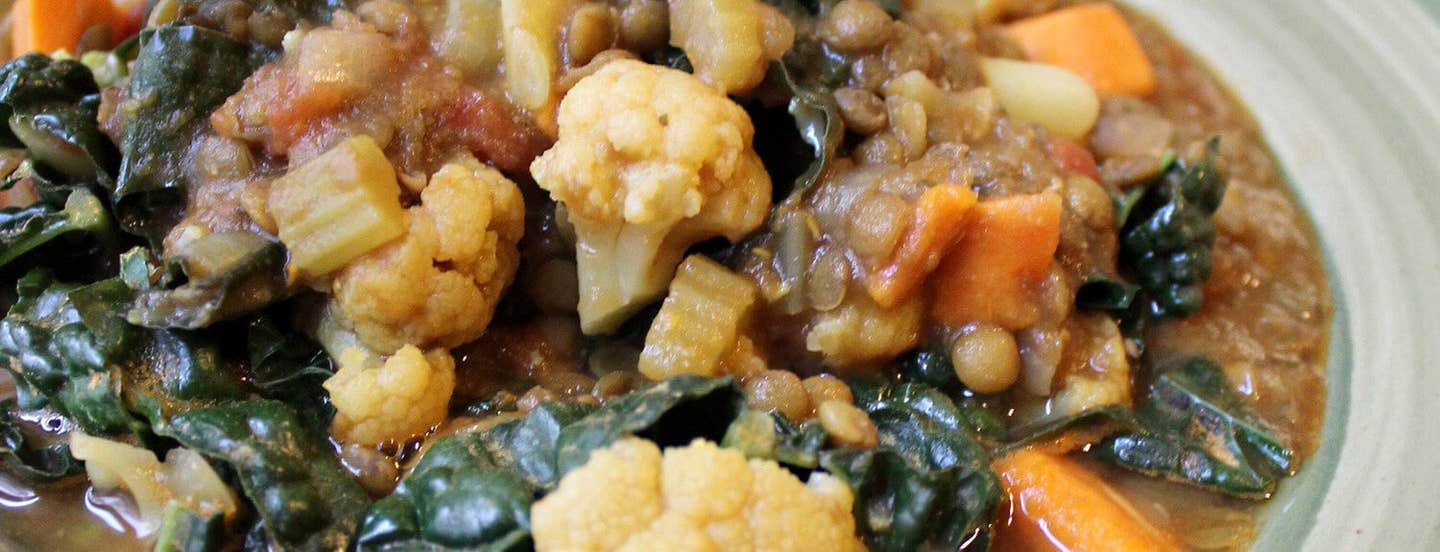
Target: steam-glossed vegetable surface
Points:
(385, 275)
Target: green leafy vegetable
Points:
(474, 490)
(50, 107)
(1094, 424)
(19, 457)
(1194, 429)
(670, 413)
(182, 530)
(932, 367)
(180, 76)
(230, 274)
(1167, 236)
(929, 484)
(297, 486)
(175, 371)
(63, 343)
(290, 368)
(1106, 293)
(772, 436)
(24, 229)
(817, 117)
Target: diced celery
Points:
(699, 321)
(337, 207)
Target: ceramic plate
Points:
(1348, 94)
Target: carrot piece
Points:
(48, 25)
(1072, 157)
(1092, 40)
(939, 220)
(1007, 248)
(1057, 505)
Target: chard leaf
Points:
(1194, 429)
(229, 274)
(307, 502)
(181, 74)
(21, 458)
(929, 484)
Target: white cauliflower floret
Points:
(402, 398)
(730, 42)
(184, 478)
(650, 161)
(439, 284)
(701, 497)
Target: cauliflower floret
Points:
(184, 478)
(649, 162)
(402, 398)
(701, 497)
(861, 331)
(438, 286)
(730, 42)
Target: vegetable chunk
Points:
(1047, 95)
(1092, 40)
(438, 285)
(730, 42)
(1056, 503)
(337, 207)
(699, 322)
(391, 402)
(700, 497)
(184, 477)
(650, 160)
(1008, 248)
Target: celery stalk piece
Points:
(337, 207)
(699, 322)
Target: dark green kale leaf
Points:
(183, 530)
(70, 348)
(932, 367)
(180, 76)
(1194, 429)
(1093, 424)
(772, 436)
(286, 366)
(816, 116)
(175, 371)
(1167, 236)
(929, 484)
(474, 490)
(26, 229)
(227, 275)
(63, 343)
(51, 107)
(21, 458)
(295, 482)
(670, 413)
